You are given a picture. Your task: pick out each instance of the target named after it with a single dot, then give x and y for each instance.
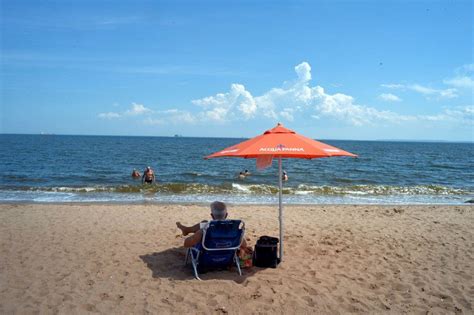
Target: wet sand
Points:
(80, 258)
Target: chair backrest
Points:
(223, 235)
(220, 242)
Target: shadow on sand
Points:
(169, 264)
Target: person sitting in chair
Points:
(218, 212)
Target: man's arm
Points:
(193, 239)
(243, 248)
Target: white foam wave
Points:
(241, 188)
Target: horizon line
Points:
(181, 136)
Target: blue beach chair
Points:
(218, 248)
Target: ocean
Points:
(54, 168)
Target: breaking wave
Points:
(253, 189)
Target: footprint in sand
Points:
(89, 308)
(256, 295)
(104, 296)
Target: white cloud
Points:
(217, 114)
(238, 102)
(428, 92)
(137, 109)
(293, 98)
(109, 115)
(178, 116)
(287, 113)
(174, 116)
(393, 86)
(461, 82)
(446, 93)
(421, 89)
(154, 121)
(296, 98)
(303, 70)
(389, 97)
(459, 114)
(170, 116)
(464, 77)
(344, 108)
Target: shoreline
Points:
(205, 203)
(74, 258)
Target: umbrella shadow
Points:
(169, 264)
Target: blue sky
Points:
(328, 69)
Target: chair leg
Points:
(188, 252)
(194, 257)
(195, 269)
(237, 263)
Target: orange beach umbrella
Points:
(280, 142)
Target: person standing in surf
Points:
(148, 176)
(284, 176)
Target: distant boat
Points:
(177, 136)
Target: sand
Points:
(126, 259)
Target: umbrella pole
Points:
(280, 185)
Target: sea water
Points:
(53, 168)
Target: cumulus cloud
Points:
(389, 97)
(295, 97)
(154, 121)
(443, 93)
(343, 107)
(135, 110)
(178, 116)
(463, 78)
(461, 82)
(393, 86)
(154, 117)
(303, 70)
(109, 115)
(287, 113)
(459, 114)
(428, 92)
(226, 106)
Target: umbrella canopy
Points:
(280, 142)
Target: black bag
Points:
(266, 252)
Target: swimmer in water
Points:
(284, 177)
(135, 173)
(148, 176)
(247, 173)
(241, 175)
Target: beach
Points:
(128, 258)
